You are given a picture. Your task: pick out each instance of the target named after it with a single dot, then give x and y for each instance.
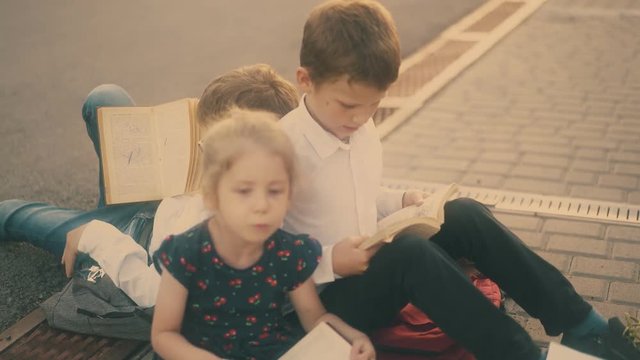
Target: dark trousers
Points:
(425, 273)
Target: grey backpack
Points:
(92, 304)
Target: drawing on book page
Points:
(133, 156)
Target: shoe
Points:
(621, 343)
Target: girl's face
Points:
(252, 197)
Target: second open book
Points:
(424, 220)
(149, 153)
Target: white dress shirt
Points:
(338, 193)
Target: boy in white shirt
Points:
(349, 57)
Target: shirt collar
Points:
(322, 141)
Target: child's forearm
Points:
(172, 345)
(343, 328)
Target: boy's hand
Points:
(413, 197)
(362, 349)
(348, 259)
(71, 249)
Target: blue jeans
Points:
(46, 226)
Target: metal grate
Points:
(495, 17)
(535, 203)
(382, 113)
(415, 77)
(46, 343)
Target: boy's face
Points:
(252, 197)
(339, 106)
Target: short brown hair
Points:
(254, 87)
(353, 37)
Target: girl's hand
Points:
(413, 197)
(362, 349)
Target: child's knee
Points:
(419, 248)
(105, 95)
(462, 208)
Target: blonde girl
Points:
(224, 281)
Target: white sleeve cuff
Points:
(324, 271)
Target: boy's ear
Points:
(304, 79)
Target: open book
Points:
(321, 343)
(424, 220)
(149, 153)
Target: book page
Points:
(424, 220)
(174, 145)
(561, 352)
(321, 343)
(129, 155)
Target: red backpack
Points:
(413, 336)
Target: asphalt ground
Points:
(53, 53)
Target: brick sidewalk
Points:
(553, 109)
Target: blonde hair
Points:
(235, 134)
(254, 87)
(357, 38)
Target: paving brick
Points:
(533, 239)
(580, 177)
(491, 167)
(571, 227)
(561, 262)
(536, 131)
(628, 169)
(628, 233)
(545, 140)
(544, 187)
(630, 146)
(625, 292)
(596, 192)
(626, 251)
(538, 172)
(590, 288)
(521, 222)
(483, 180)
(435, 175)
(537, 148)
(554, 117)
(626, 126)
(609, 310)
(446, 164)
(545, 160)
(594, 154)
(603, 268)
(499, 156)
(626, 156)
(456, 153)
(619, 181)
(622, 136)
(581, 134)
(577, 245)
(590, 165)
(396, 172)
(506, 146)
(396, 159)
(596, 144)
(634, 197)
